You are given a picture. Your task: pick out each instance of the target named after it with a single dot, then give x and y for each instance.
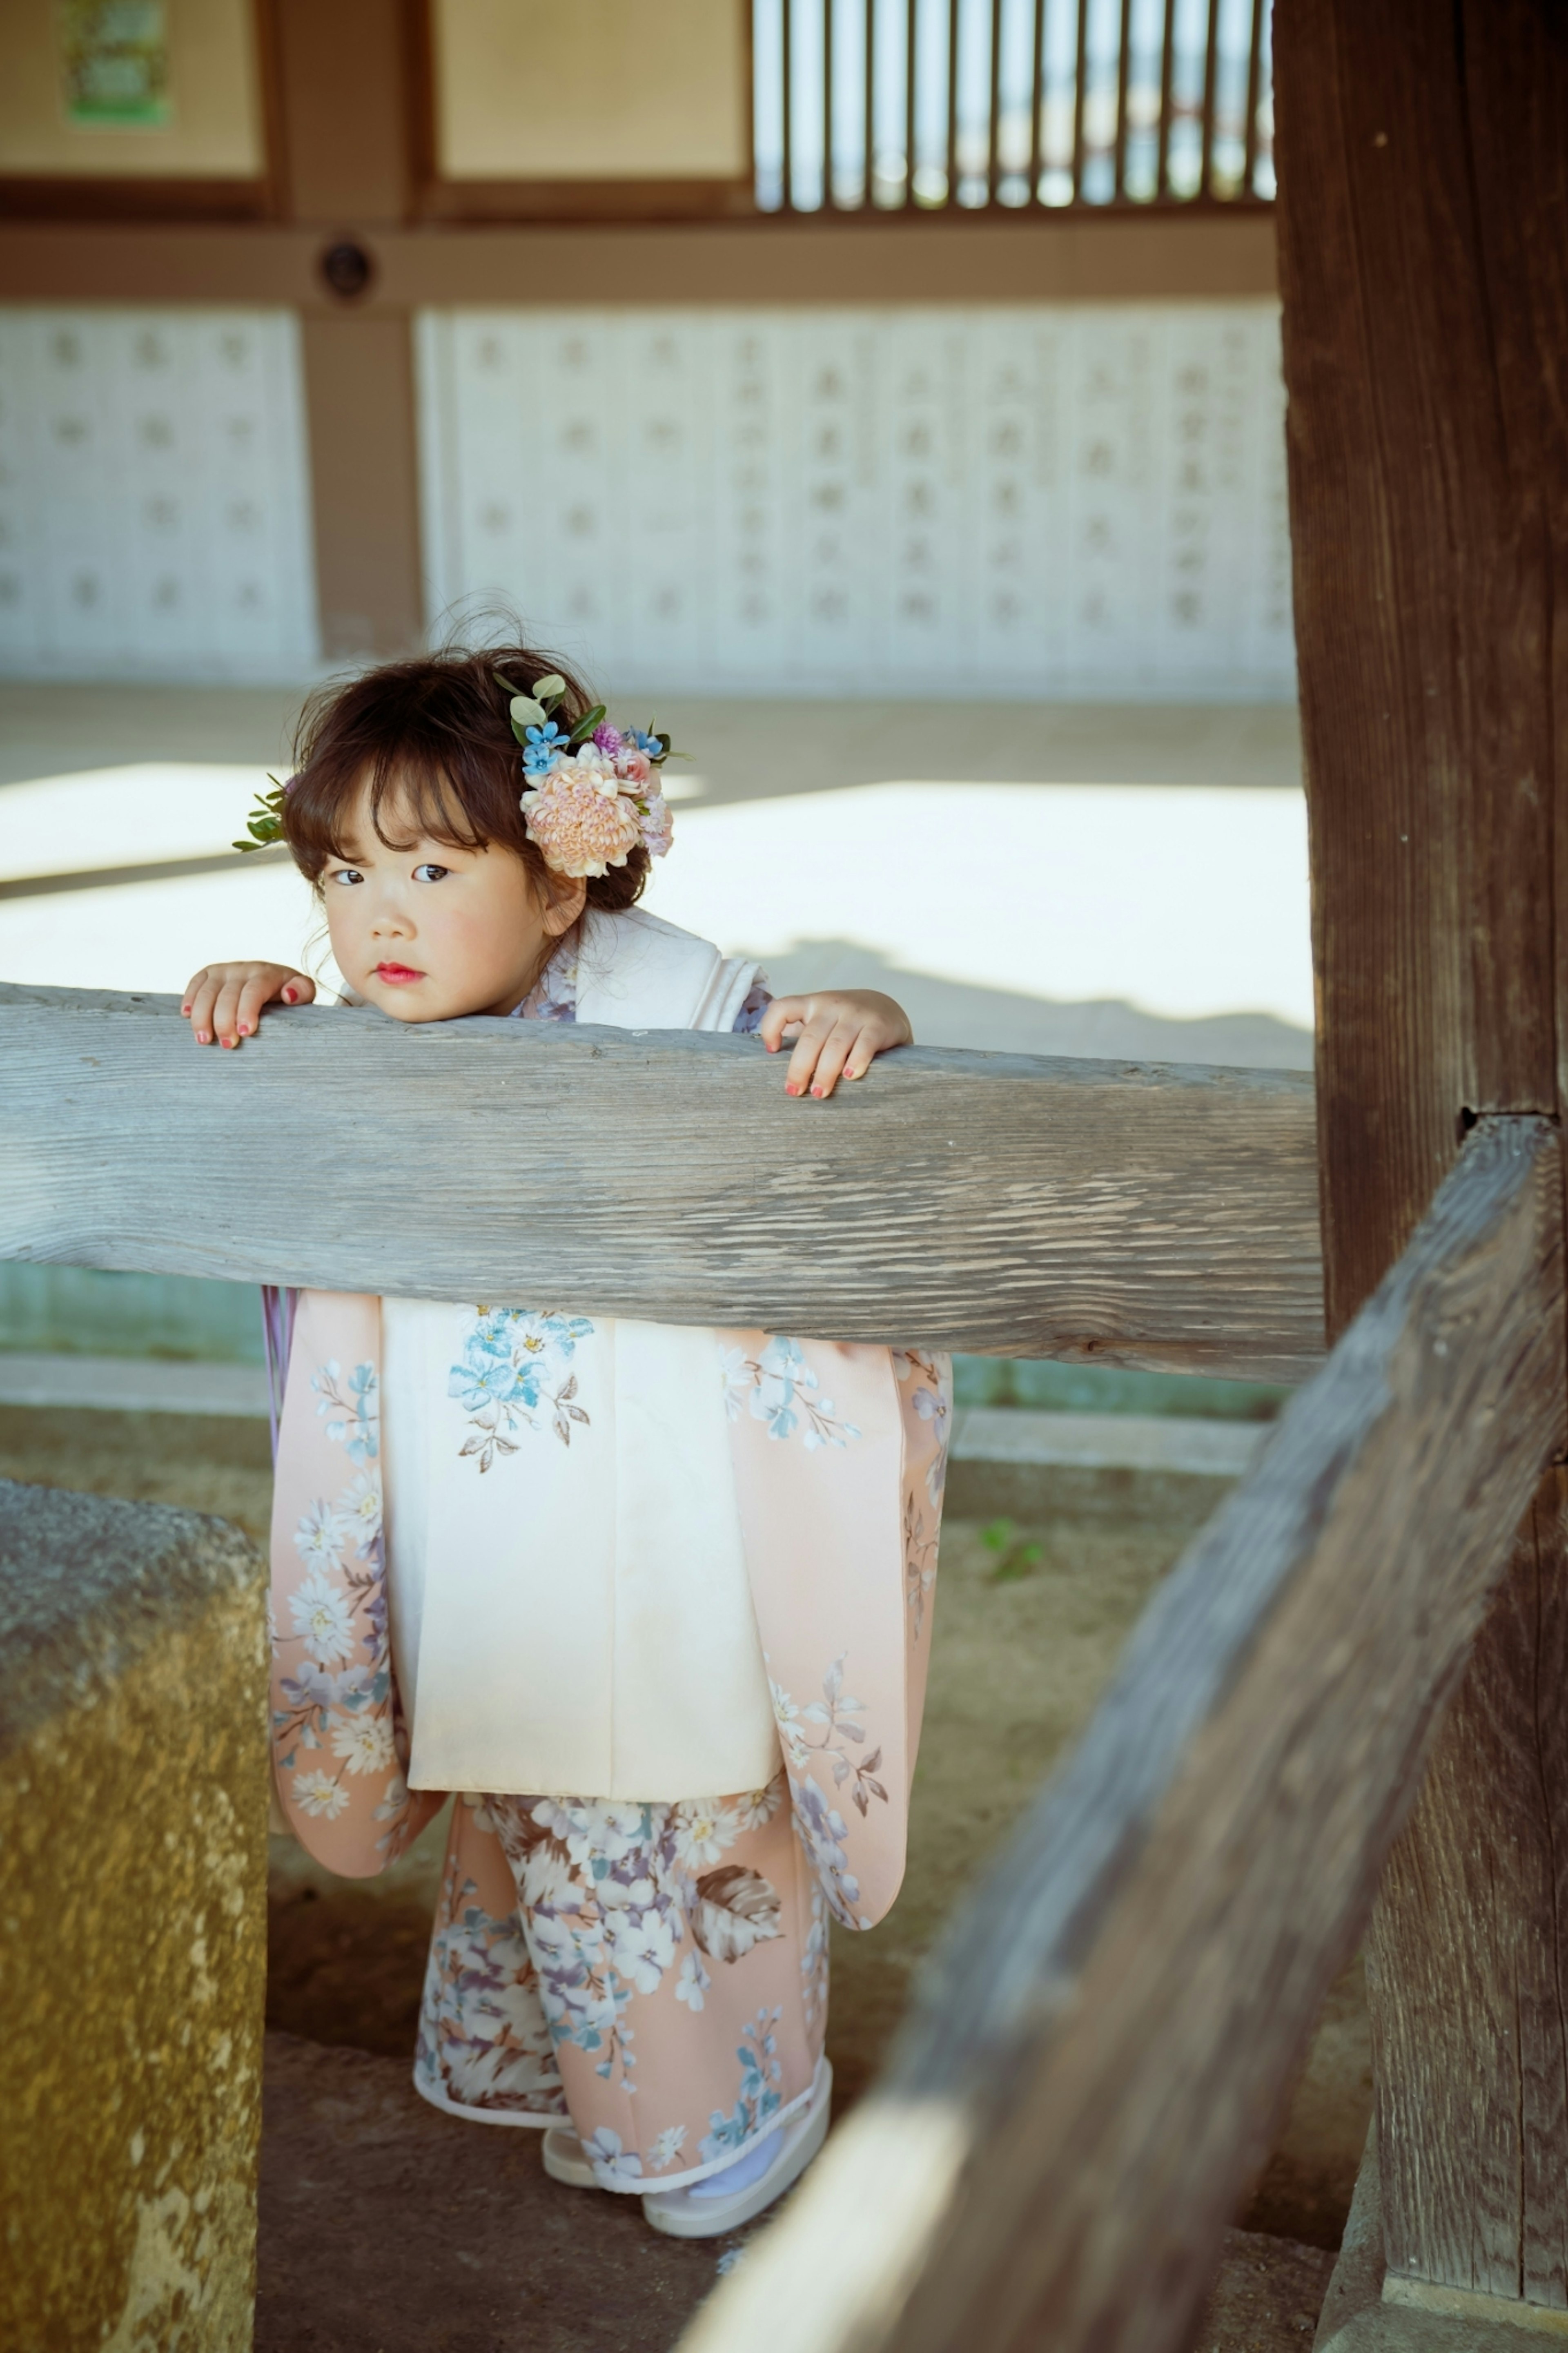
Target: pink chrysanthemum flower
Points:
(581, 827)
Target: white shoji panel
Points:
(1045, 499)
(155, 496)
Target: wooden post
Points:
(1424, 208)
(344, 119)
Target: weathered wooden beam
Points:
(1465, 1965)
(1132, 1214)
(1423, 191)
(1424, 176)
(1098, 2059)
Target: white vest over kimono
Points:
(598, 1550)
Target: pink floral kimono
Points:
(653, 1967)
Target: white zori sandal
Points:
(710, 2208)
(566, 2159)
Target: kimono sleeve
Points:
(838, 1454)
(339, 1747)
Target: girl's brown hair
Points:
(432, 734)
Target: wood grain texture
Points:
(1423, 177)
(1465, 1962)
(1119, 2009)
(1130, 1214)
(1418, 454)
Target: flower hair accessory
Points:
(592, 795)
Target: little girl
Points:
(646, 1563)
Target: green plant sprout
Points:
(1016, 1556)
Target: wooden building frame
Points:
(288, 32)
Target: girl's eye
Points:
(430, 873)
(347, 874)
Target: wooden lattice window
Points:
(925, 105)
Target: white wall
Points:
(1082, 500)
(155, 495)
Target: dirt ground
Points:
(387, 2228)
(1018, 1662)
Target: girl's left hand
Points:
(838, 1032)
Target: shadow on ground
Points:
(388, 2227)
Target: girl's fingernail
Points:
(288, 997)
(185, 1012)
(203, 1037)
(817, 1091)
(245, 1028)
(790, 1090)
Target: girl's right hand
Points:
(224, 1001)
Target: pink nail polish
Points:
(817, 1091)
(245, 1028)
(289, 996)
(203, 1038)
(792, 1090)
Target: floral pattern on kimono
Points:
(778, 1387)
(340, 1747)
(843, 1579)
(647, 1978)
(484, 2047)
(613, 1892)
(516, 1373)
(818, 1543)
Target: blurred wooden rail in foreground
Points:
(1101, 2051)
(1129, 1214)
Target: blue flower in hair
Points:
(543, 748)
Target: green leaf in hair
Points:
(264, 823)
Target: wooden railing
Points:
(1148, 1215)
(928, 105)
(1099, 2055)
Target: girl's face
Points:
(429, 932)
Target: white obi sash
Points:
(569, 1610)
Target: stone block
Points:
(133, 1925)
